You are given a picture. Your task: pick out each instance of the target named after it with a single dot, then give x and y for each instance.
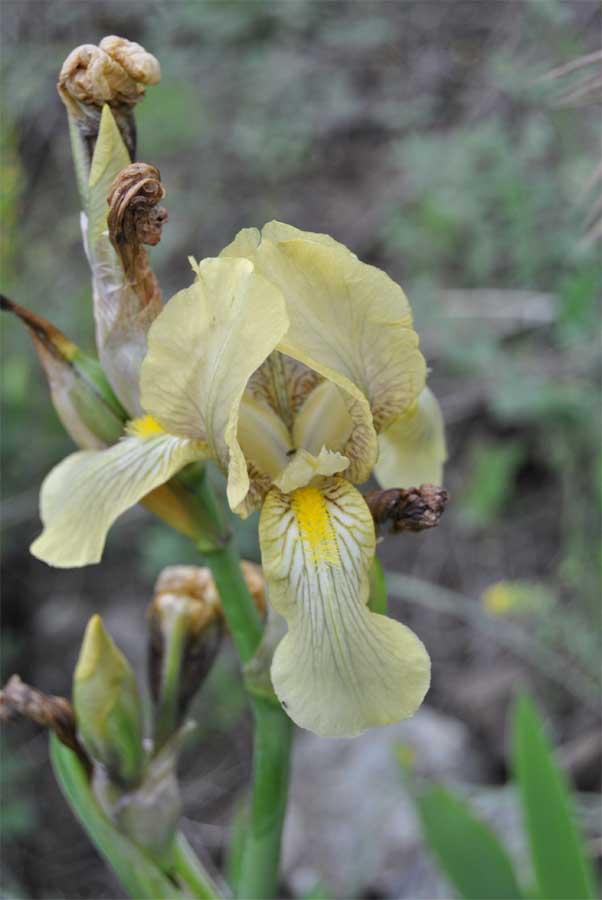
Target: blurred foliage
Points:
(19, 810)
(471, 855)
(492, 477)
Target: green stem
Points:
(239, 607)
(190, 871)
(272, 742)
(271, 762)
(167, 712)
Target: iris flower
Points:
(284, 362)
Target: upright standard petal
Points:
(350, 322)
(87, 491)
(203, 349)
(341, 669)
(284, 384)
(412, 450)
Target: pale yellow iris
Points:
(284, 362)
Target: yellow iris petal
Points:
(263, 436)
(348, 321)
(323, 420)
(341, 669)
(144, 427)
(87, 491)
(412, 450)
(202, 350)
(304, 467)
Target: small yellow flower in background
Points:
(284, 361)
(506, 597)
(406, 757)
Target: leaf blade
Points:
(138, 874)
(468, 851)
(559, 859)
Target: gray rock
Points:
(352, 824)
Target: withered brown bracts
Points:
(54, 713)
(409, 509)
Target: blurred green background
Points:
(424, 136)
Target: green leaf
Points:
(559, 859)
(80, 161)
(110, 157)
(138, 874)
(377, 601)
(467, 850)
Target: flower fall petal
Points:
(87, 491)
(340, 669)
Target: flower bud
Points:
(83, 399)
(186, 629)
(114, 73)
(107, 706)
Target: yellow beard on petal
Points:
(315, 527)
(144, 427)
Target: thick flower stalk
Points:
(284, 362)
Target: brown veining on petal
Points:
(260, 484)
(135, 218)
(361, 446)
(298, 380)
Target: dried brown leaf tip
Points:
(47, 338)
(410, 509)
(54, 713)
(135, 218)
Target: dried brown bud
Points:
(410, 509)
(197, 582)
(134, 219)
(116, 72)
(55, 713)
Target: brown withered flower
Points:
(115, 72)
